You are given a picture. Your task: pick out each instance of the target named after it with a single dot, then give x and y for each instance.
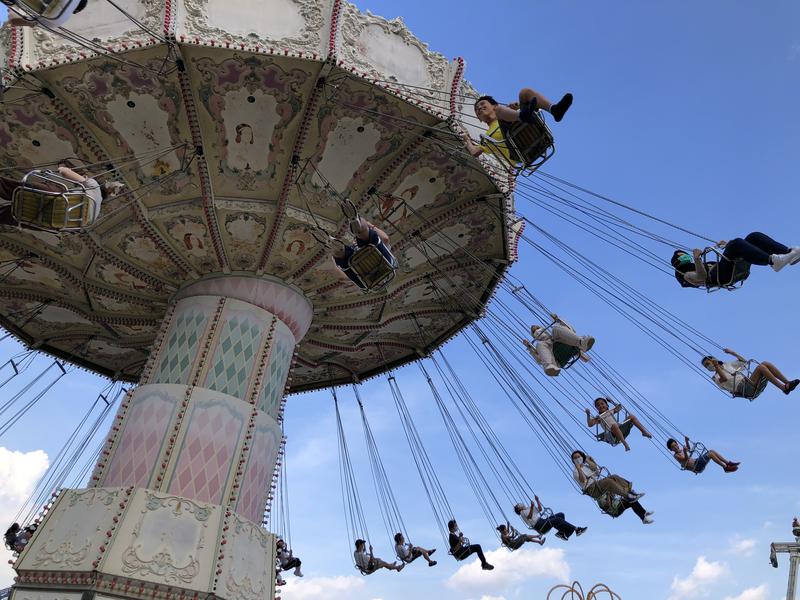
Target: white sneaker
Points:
(778, 261)
(795, 254)
(587, 342)
(552, 370)
(647, 520)
(649, 513)
(634, 496)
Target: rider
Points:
(514, 540)
(286, 559)
(408, 553)
(369, 563)
(96, 192)
(366, 234)
(697, 465)
(530, 515)
(732, 377)
(613, 432)
(70, 7)
(561, 332)
(589, 477)
(460, 547)
(498, 117)
(755, 249)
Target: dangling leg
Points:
(775, 371)
(539, 539)
(639, 426)
(544, 352)
(762, 371)
(620, 437)
(531, 100)
(766, 243)
(566, 336)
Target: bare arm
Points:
(687, 446)
(68, 173)
(734, 354)
(472, 147)
(590, 420)
(538, 503)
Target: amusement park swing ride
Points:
(203, 288)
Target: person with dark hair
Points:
(796, 529)
(530, 514)
(366, 234)
(588, 476)
(95, 192)
(408, 553)
(460, 547)
(698, 464)
(369, 563)
(513, 539)
(755, 249)
(53, 16)
(732, 376)
(613, 431)
(541, 348)
(498, 116)
(286, 559)
(10, 536)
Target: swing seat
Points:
(47, 9)
(762, 385)
(544, 515)
(697, 450)
(611, 504)
(741, 271)
(525, 146)
(66, 208)
(565, 355)
(372, 268)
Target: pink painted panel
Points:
(258, 470)
(143, 435)
(205, 455)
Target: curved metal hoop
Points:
(575, 592)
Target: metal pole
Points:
(794, 563)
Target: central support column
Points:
(179, 492)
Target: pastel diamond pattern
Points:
(257, 474)
(206, 455)
(145, 429)
(280, 360)
(239, 345)
(181, 350)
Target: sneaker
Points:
(649, 513)
(634, 496)
(432, 563)
(527, 111)
(647, 520)
(778, 261)
(730, 468)
(587, 342)
(560, 108)
(431, 551)
(794, 252)
(552, 370)
(579, 531)
(563, 536)
(297, 572)
(400, 567)
(541, 541)
(487, 567)
(280, 582)
(791, 386)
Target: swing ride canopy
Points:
(235, 127)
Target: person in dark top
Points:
(366, 235)
(460, 547)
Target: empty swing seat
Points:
(525, 146)
(48, 201)
(372, 268)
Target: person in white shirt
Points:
(286, 559)
(732, 376)
(560, 333)
(368, 563)
(513, 539)
(408, 553)
(55, 15)
(614, 432)
(530, 515)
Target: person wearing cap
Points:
(514, 540)
(531, 516)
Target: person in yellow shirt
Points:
(497, 116)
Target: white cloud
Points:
(510, 568)
(493, 598)
(19, 472)
(321, 588)
(697, 584)
(756, 593)
(742, 546)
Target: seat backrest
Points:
(371, 267)
(565, 355)
(51, 210)
(532, 143)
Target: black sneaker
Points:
(562, 536)
(560, 108)
(580, 530)
(487, 567)
(527, 111)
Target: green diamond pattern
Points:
(234, 358)
(181, 348)
(275, 377)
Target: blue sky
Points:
(685, 110)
